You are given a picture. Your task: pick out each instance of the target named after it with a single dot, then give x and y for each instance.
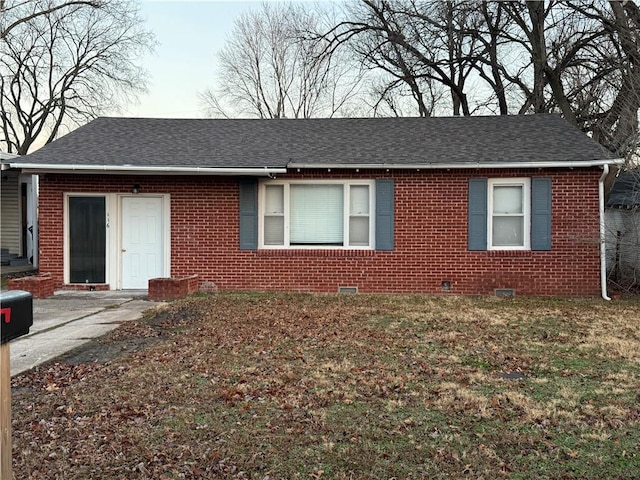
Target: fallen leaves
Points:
(324, 386)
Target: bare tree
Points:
(271, 68)
(585, 58)
(429, 46)
(66, 66)
(390, 96)
(618, 127)
(35, 10)
(394, 74)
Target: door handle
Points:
(124, 250)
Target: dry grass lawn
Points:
(342, 387)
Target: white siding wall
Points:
(627, 222)
(10, 212)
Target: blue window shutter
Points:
(384, 214)
(248, 214)
(540, 214)
(477, 231)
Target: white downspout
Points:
(603, 245)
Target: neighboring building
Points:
(18, 214)
(622, 219)
(465, 205)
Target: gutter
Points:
(138, 170)
(603, 245)
(267, 171)
(463, 165)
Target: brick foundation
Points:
(39, 286)
(166, 289)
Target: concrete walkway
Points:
(69, 319)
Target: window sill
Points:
(509, 253)
(315, 253)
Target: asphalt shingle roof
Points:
(146, 142)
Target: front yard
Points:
(342, 387)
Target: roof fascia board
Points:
(5, 159)
(463, 165)
(137, 170)
(267, 171)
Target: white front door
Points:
(142, 241)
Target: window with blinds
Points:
(509, 217)
(274, 215)
(325, 214)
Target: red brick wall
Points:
(163, 289)
(430, 237)
(39, 286)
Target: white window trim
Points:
(344, 183)
(526, 207)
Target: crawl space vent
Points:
(505, 292)
(347, 289)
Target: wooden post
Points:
(5, 412)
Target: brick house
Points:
(466, 205)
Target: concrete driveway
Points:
(69, 319)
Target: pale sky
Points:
(189, 35)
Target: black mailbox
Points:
(16, 314)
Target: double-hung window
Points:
(509, 214)
(317, 214)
